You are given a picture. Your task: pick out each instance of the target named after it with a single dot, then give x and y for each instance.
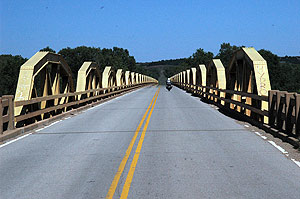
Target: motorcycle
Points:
(169, 87)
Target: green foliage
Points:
(165, 62)
(289, 59)
(76, 56)
(272, 59)
(9, 72)
(284, 71)
(172, 67)
(160, 70)
(225, 53)
(200, 57)
(286, 77)
(116, 57)
(283, 76)
(172, 70)
(150, 71)
(48, 49)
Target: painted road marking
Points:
(48, 126)
(296, 162)
(12, 141)
(278, 147)
(91, 108)
(282, 150)
(135, 159)
(260, 135)
(116, 179)
(37, 130)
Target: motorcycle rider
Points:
(168, 84)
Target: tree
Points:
(272, 59)
(48, 49)
(283, 76)
(75, 57)
(153, 71)
(118, 58)
(172, 70)
(9, 73)
(200, 57)
(225, 53)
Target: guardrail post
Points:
(11, 108)
(1, 116)
(278, 110)
(272, 102)
(288, 113)
(297, 114)
(11, 115)
(281, 105)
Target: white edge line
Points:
(278, 147)
(40, 129)
(12, 141)
(48, 126)
(260, 135)
(263, 137)
(19, 138)
(257, 133)
(296, 162)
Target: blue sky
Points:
(150, 30)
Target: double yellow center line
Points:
(128, 181)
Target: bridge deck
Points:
(190, 150)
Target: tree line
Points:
(284, 71)
(115, 57)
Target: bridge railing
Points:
(6, 113)
(76, 100)
(282, 115)
(45, 89)
(284, 110)
(55, 105)
(248, 104)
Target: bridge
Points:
(121, 135)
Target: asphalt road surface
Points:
(143, 145)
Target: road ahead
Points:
(189, 150)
